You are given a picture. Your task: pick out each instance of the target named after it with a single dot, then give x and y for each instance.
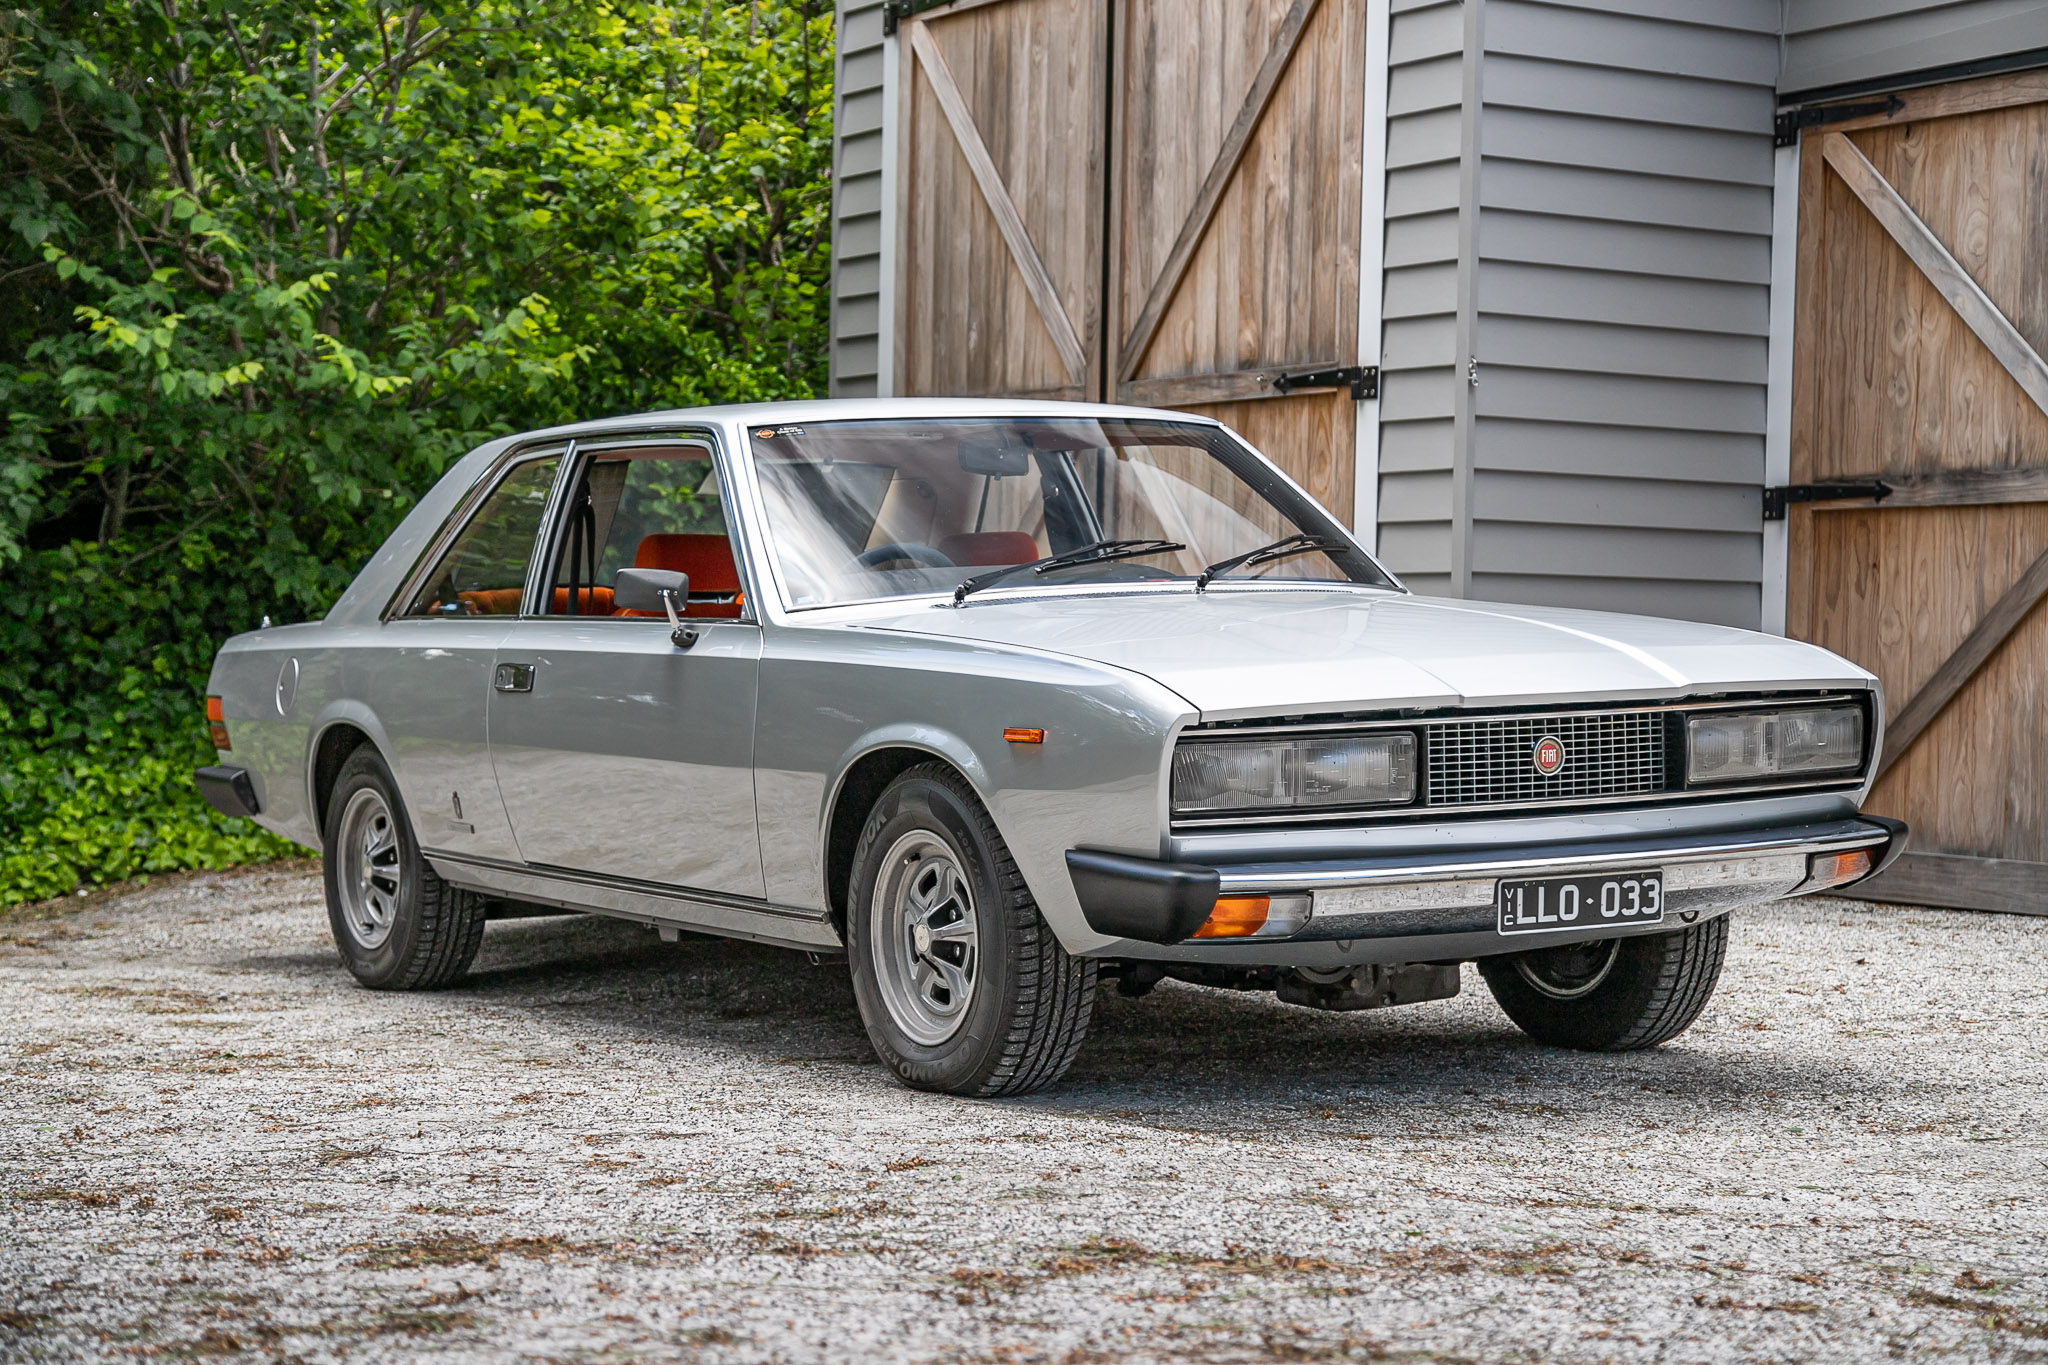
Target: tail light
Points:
(217, 724)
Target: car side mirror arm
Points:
(680, 635)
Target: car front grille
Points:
(1482, 766)
(1488, 762)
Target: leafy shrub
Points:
(88, 815)
(266, 269)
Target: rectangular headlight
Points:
(1263, 775)
(1762, 744)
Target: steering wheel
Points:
(923, 555)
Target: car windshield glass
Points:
(865, 510)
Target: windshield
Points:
(865, 510)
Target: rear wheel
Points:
(398, 925)
(960, 981)
(1617, 995)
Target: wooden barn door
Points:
(1234, 221)
(999, 253)
(1922, 316)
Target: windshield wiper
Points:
(1100, 552)
(1300, 543)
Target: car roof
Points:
(851, 410)
(380, 577)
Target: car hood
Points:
(1264, 652)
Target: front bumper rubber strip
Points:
(1894, 846)
(231, 791)
(1142, 898)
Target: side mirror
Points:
(655, 590)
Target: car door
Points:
(428, 677)
(617, 752)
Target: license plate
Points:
(1558, 903)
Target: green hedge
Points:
(266, 270)
(78, 817)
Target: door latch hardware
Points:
(514, 678)
(1362, 380)
(898, 10)
(1785, 128)
(1776, 500)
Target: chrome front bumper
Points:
(1421, 894)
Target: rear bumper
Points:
(1421, 893)
(231, 791)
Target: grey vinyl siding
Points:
(1418, 337)
(1621, 305)
(1855, 42)
(856, 303)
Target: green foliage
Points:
(266, 268)
(92, 815)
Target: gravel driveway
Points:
(603, 1147)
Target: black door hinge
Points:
(1362, 380)
(1777, 499)
(1785, 128)
(896, 11)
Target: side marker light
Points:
(1835, 869)
(1020, 735)
(216, 724)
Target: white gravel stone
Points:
(212, 1142)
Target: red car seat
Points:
(988, 547)
(706, 559)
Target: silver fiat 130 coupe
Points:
(998, 699)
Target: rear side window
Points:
(484, 572)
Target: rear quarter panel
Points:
(271, 718)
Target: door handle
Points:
(514, 678)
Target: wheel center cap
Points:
(921, 940)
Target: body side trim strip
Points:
(715, 912)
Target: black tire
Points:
(1623, 994)
(1027, 1004)
(430, 930)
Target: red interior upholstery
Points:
(706, 559)
(595, 601)
(988, 547)
(489, 601)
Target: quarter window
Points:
(484, 571)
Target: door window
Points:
(484, 571)
(646, 509)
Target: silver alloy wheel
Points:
(925, 938)
(371, 871)
(1570, 972)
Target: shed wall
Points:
(857, 203)
(1852, 42)
(1584, 208)
(1622, 305)
(1419, 308)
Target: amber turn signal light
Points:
(1019, 735)
(1836, 869)
(216, 723)
(1236, 917)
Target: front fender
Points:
(831, 698)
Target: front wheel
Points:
(1616, 995)
(960, 981)
(398, 925)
